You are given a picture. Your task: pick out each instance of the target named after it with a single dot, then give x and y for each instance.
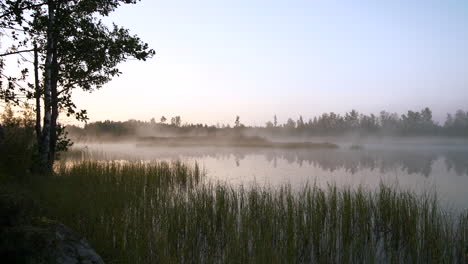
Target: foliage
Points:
(63, 141)
(17, 145)
(458, 124)
(77, 51)
(88, 51)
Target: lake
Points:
(420, 165)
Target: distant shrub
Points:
(17, 142)
(356, 147)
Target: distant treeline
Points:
(412, 123)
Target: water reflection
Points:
(442, 168)
(457, 163)
(355, 161)
(419, 162)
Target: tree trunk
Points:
(38, 96)
(55, 112)
(46, 130)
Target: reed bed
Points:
(167, 213)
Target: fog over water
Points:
(416, 164)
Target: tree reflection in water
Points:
(351, 161)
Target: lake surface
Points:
(418, 165)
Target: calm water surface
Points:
(428, 166)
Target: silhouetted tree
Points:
(77, 51)
(352, 120)
(176, 121)
(368, 124)
(237, 122)
(417, 123)
(457, 125)
(411, 123)
(389, 122)
(290, 124)
(300, 123)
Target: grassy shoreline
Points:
(166, 213)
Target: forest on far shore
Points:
(412, 123)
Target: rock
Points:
(26, 239)
(72, 248)
(46, 243)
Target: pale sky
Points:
(255, 58)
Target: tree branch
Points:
(21, 9)
(12, 28)
(15, 52)
(69, 86)
(64, 90)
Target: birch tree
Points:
(76, 50)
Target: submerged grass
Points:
(166, 213)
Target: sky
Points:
(216, 59)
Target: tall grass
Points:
(165, 213)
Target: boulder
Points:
(46, 243)
(27, 239)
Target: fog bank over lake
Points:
(415, 163)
